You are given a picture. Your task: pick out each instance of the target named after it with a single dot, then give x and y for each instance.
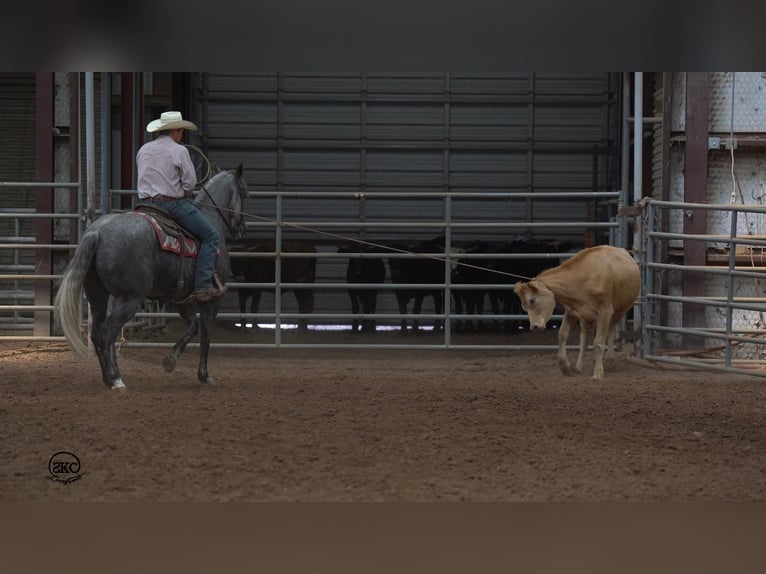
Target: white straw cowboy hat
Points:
(170, 121)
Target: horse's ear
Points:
(240, 170)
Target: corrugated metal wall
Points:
(17, 164)
(415, 132)
(17, 145)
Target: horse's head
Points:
(226, 193)
(238, 215)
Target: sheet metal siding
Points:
(17, 146)
(412, 132)
(17, 156)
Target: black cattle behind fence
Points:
(363, 270)
(419, 270)
(475, 272)
(512, 270)
(262, 270)
(492, 269)
(469, 271)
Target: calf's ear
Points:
(520, 287)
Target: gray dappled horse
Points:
(119, 263)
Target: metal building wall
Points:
(17, 164)
(17, 146)
(415, 133)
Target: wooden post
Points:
(695, 191)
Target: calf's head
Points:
(538, 301)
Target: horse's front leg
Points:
(207, 313)
(189, 315)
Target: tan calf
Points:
(596, 286)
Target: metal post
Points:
(447, 268)
(638, 148)
(730, 287)
(278, 275)
(638, 164)
(90, 149)
(625, 156)
(106, 141)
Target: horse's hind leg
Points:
(207, 313)
(99, 301)
(107, 324)
(189, 315)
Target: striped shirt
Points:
(164, 168)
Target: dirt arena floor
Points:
(372, 425)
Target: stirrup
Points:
(220, 285)
(191, 298)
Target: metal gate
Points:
(725, 329)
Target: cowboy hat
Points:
(170, 121)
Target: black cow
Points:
(363, 270)
(471, 271)
(522, 269)
(261, 270)
(419, 270)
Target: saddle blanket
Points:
(170, 242)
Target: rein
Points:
(234, 231)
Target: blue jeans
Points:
(186, 214)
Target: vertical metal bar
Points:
(625, 154)
(730, 285)
(638, 165)
(447, 211)
(90, 148)
(278, 215)
(363, 151)
(447, 268)
(638, 148)
(75, 225)
(530, 186)
(106, 141)
(44, 195)
(278, 274)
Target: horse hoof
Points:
(207, 381)
(169, 363)
(118, 384)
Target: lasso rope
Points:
(203, 180)
(344, 237)
(372, 244)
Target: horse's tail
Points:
(67, 303)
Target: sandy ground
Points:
(372, 425)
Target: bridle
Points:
(235, 232)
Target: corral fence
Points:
(455, 216)
(703, 295)
(719, 326)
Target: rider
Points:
(166, 179)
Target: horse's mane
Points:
(215, 183)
